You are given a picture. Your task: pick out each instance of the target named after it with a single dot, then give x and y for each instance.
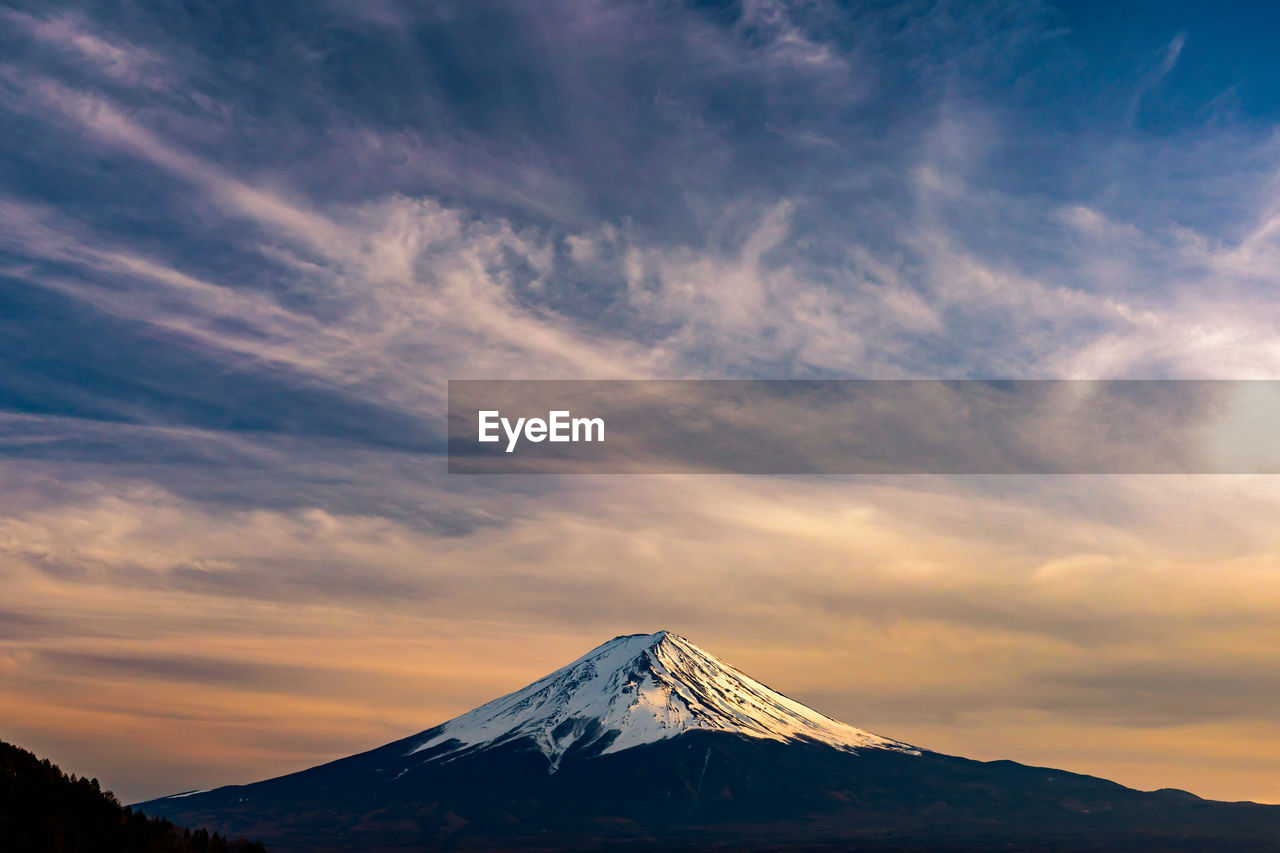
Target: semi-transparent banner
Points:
(864, 426)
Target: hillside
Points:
(44, 810)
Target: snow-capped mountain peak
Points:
(639, 689)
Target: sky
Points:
(244, 246)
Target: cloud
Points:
(674, 307)
(240, 259)
(71, 35)
(1154, 77)
(933, 600)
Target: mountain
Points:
(43, 810)
(635, 690)
(650, 742)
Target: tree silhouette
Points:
(43, 810)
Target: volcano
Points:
(636, 690)
(649, 742)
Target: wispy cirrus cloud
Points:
(72, 36)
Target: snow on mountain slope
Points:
(640, 689)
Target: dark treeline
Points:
(43, 810)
